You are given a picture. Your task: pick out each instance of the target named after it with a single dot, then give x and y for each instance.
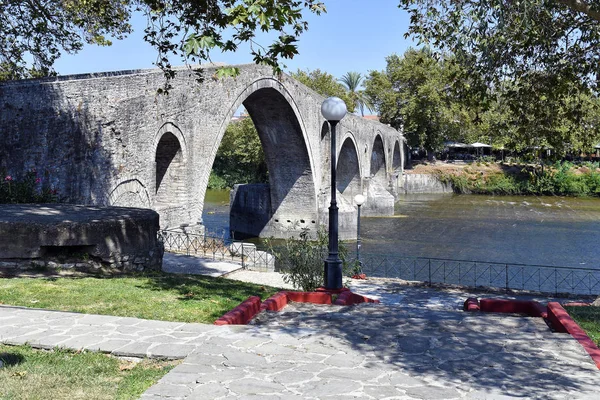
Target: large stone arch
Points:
(289, 203)
(348, 169)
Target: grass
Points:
(61, 374)
(167, 297)
(588, 318)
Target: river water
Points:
(554, 231)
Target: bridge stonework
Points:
(111, 139)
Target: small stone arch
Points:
(129, 193)
(348, 170)
(378, 161)
(170, 159)
(397, 156)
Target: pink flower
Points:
(38, 180)
(8, 178)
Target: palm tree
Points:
(352, 81)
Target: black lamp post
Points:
(333, 109)
(359, 199)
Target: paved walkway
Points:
(417, 345)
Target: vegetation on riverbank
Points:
(28, 373)
(561, 178)
(166, 297)
(240, 158)
(588, 318)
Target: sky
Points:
(354, 35)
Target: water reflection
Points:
(526, 229)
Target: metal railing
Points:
(217, 248)
(511, 276)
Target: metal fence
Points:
(217, 248)
(539, 278)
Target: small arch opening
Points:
(170, 170)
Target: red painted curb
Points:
(331, 291)
(241, 314)
(528, 307)
(275, 302)
(310, 297)
(471, 304)
(562, 322)
(348, 298)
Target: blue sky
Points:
(354, 35)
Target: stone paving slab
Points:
(182, 264)
(130, 337)
(417, 345)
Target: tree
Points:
(240, 158)
(41, 29)
(325, 84)
(511, 39)
(352, 81)
(541, 57)
(413, 94)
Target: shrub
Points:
(302, 260)
(27, 190)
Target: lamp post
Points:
(333, 110)
(359, 199)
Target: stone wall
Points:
(423, 183)
(79, 237)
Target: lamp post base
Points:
(333, 274)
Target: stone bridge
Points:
(111, 139)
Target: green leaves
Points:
(35, 33)
(325, 84)
(190, 29)
(240, 158)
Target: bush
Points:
(302, 260)
(557, 179)
(27, 190)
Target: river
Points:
(555, 231)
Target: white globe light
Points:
(333, 109)
(359, 199)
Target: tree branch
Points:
(582, 7)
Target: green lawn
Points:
(588, 319)
(167, 297)
(61, 374)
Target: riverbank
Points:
(559, 179)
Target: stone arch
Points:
(170, 175)
(348, 170)
(129, 193)
(397, 157)
(325, 155)
(378, 162)
(292, 189)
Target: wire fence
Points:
(511, 276)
